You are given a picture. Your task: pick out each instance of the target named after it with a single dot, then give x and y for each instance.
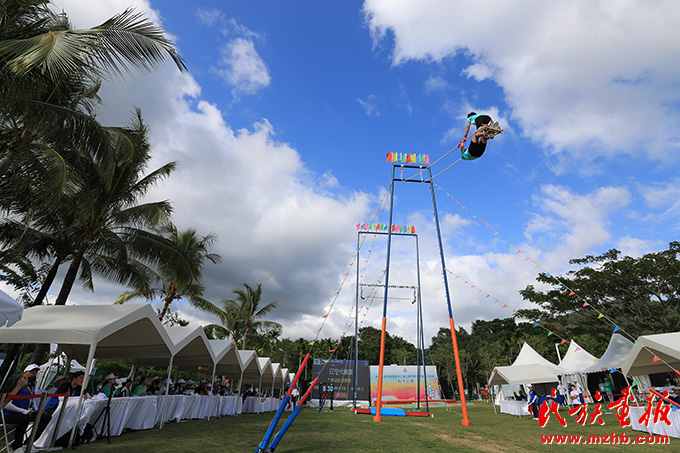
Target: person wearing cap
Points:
(155, 386)
(21, 412)
(57, 383)
(109, 386)
(180, 387)
(125, 389)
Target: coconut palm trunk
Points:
(72, 273)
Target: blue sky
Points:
(281, 127)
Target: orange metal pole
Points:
(378, 404)
(461, 388)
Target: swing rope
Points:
(459, 145)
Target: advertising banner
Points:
(400, 383)
(340, 373)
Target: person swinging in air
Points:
(486, 130)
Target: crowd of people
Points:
(22, 412)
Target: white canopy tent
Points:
(665, 346)
(576, 359)
(108, 331)
(191, 349)
(521, 374)
(614, 356)
(528, 356)
(574, 362)
(10, 310)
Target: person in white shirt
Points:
(561, 395)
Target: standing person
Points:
(294, 395)
(479, 138)
(22, 412)
(573, 394)
(533, 402)
(561, 394)
(608, 390)
(580, 392)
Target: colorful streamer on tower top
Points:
(368, 227)
(405, 158)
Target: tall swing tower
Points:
(416, 169)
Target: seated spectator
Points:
(180, 387)
(57, 383)
(124, 390)
(109, 387)
(203, 389)
(73, 386)
(166, 385)
(22, 412)
(140, 387)
(154, 387)
(522, 396)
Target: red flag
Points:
(563, 341)
(572, 293)
(655, 359)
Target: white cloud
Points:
(584, 76)
(209, 16)
(435, 83)
(369, 105)
(242, 67)
(274, 224)
(576, 223)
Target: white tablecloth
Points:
(174, 408)
(145, 412)
(514, 407)
(655, 428)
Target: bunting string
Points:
(571, 292)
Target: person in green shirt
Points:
(608, 390)
(109, 385)
(140, 387)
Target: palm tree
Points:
(109, 230)
(50, 74)
(242, 315)
(180, 277)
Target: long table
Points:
(636, 412)
(514, 407)
(145, 412)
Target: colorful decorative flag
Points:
(616, 328)
(600, 316)
(586, 304)
(572, 293)
(655, 359)
(612, 371)
(535, 324)
(389, 157)
(563, 341)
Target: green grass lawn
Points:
(341, 431)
